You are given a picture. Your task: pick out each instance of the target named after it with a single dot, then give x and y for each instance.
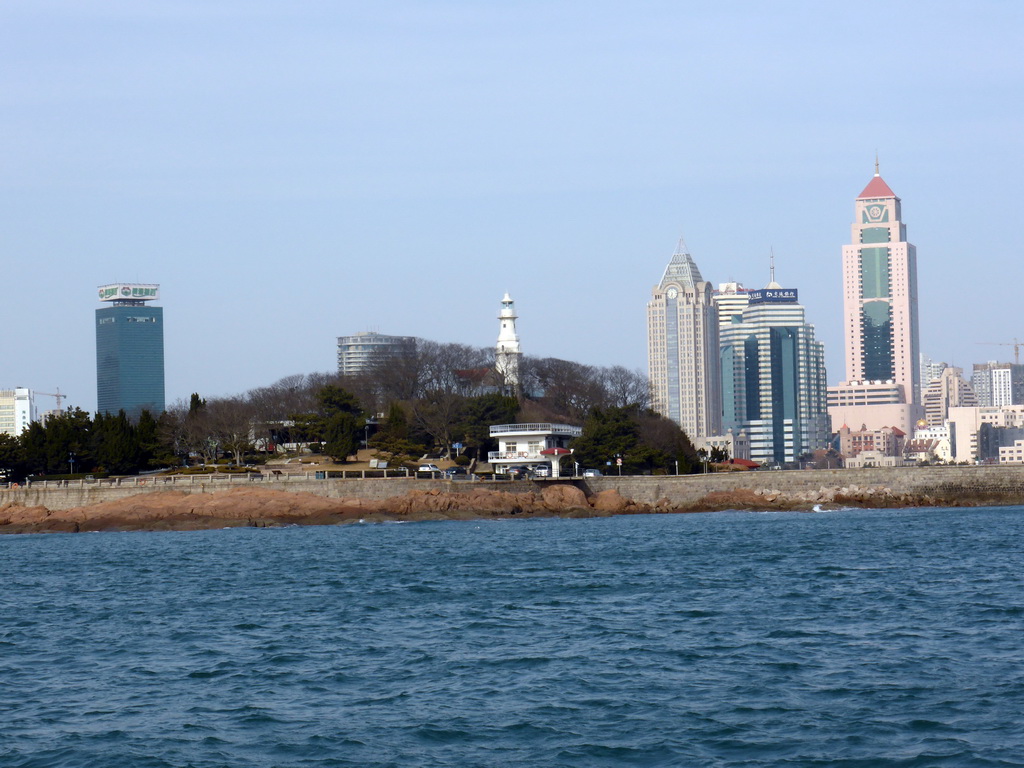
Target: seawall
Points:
(943, 486)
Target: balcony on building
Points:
(523, 443)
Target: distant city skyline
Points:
(291, 173)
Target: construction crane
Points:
(1016, 344)
(56, 394)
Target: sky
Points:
(290, 172)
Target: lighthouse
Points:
(507, 352)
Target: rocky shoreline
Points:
(262, 507)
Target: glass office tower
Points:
(129, 351)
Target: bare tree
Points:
(230, 423)
(565, 387)
(449, 373)
(624, 387)
(276, 406)
(187, 431)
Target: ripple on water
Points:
(853, 638)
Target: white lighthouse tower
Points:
(507, 352)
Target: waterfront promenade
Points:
(941, 486)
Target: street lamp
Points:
(71, 463)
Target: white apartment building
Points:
(360, 352)
(17, 410)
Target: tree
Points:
(623, 387)
(668, 442)
(115, 443)
(479, 414)
(341, 436)
(337, 422)
(229, 421)
(607, 434)
(69, 442)
(437, 413)
(33, 449)
(394, 437)
(571, 389)
(152, 452)
(333, 399)
(449, 374)
(718, 455)
(643, 439)
(11, 459)
(186, 429)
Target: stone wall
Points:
(945, 485)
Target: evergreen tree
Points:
(33, 449)
(11, 459)
(479, 415)
(69, 442)
(395, 438)
(147, 433)
(341, 436)
(333, 399)
(608, 433)
(116, 445)
(643, 439)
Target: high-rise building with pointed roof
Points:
(880, 326)
(682, 348)
(880, 293)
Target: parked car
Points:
(542, 470)
(592, 473)
(428, 468)
(453, 472)
(517, 471)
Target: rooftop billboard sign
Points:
(129, 292)
(773, 296)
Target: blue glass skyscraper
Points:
(129, 351)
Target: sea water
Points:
(842, 638)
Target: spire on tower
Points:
(771, 270)
(876, 163)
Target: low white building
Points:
(932, 443)
(1012, 454)
(522, 444)
(736, 445)
(967, 422)
(17, 410)
(876, 459)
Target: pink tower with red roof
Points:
(880, 296)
